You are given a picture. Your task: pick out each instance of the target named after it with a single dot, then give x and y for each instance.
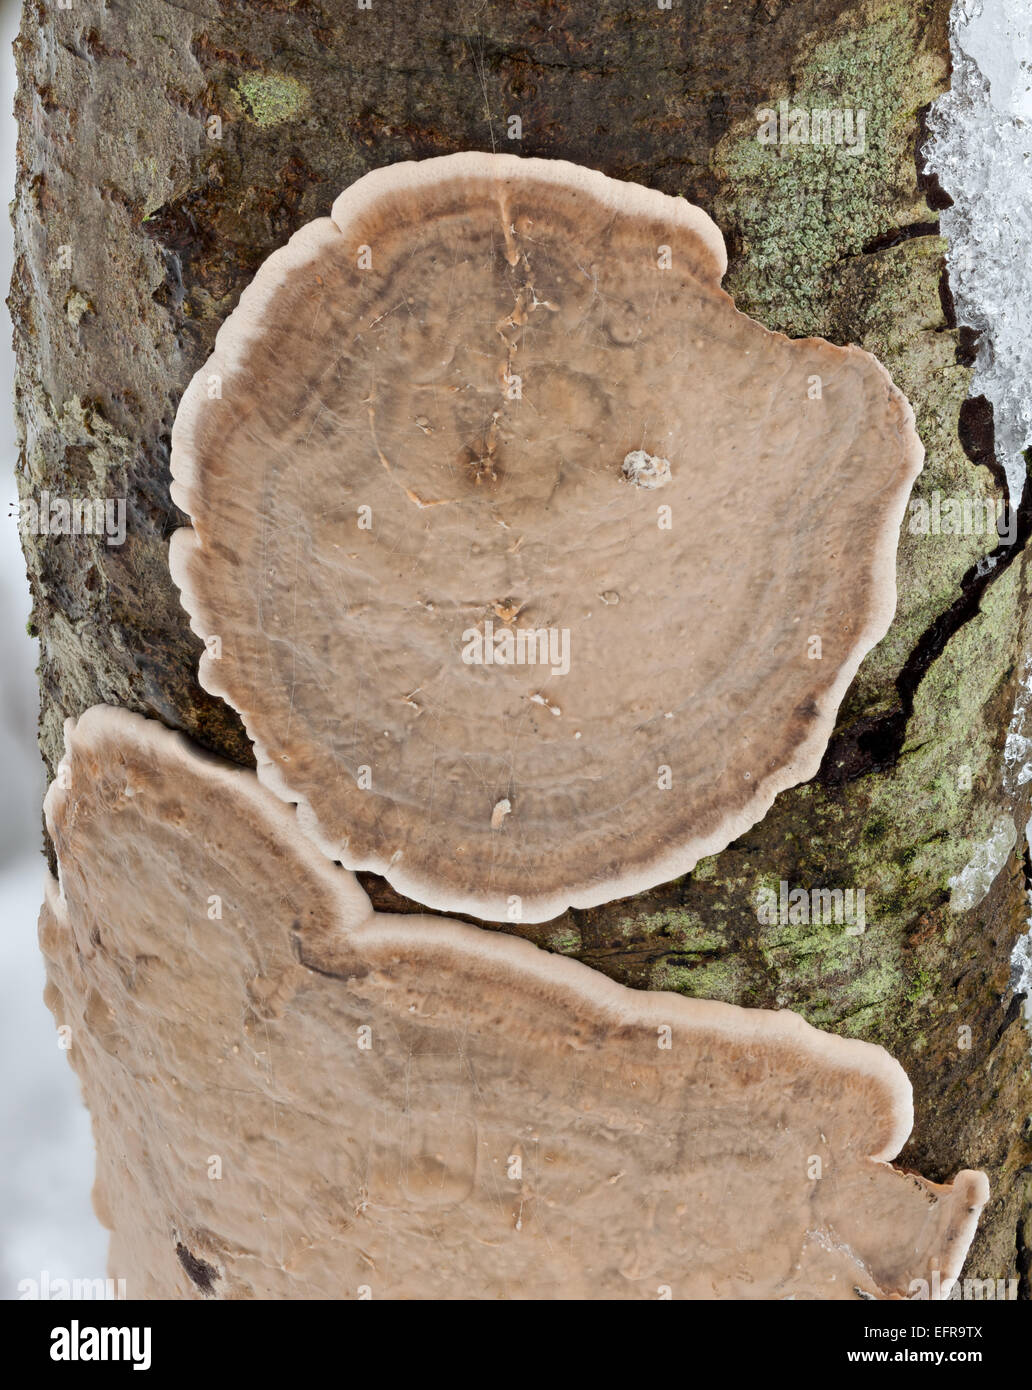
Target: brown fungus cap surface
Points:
(534, 569)
(295, 1097)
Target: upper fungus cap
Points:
(428, 1108)
(536, 569)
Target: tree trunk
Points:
(167, 149)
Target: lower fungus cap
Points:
(427, 1109)
(495, 496)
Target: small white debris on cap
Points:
(646, 470)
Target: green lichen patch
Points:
(566, 941)
(687, 930)
(270, 98)
(800, 209)
(727, 978)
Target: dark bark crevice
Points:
(873, 744)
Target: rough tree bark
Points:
(139, 220)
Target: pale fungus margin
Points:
(495, 497)
(294, 1096)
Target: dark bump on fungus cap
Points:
(219, 976)
(471, 413)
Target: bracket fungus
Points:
(294, 1096)
(495, 496)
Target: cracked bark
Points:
(165, 225)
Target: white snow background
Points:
(982, 153)
(981, 150)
